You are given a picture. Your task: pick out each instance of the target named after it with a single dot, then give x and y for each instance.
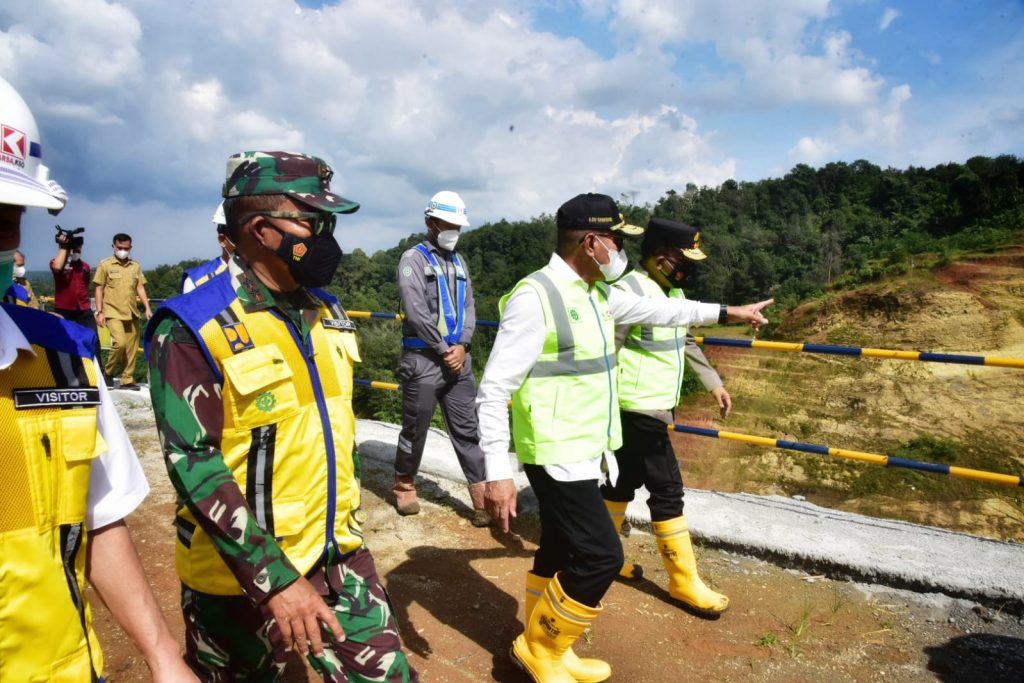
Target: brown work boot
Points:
(405, 495)
(480, 517)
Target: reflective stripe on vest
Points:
(450, 314)
(48, 426)
(650, 355)
(288, 434)
(566, 409)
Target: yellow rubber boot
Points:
(583, 670)
(685, 585)
(553, 625)
(617, 511)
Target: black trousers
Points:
(85, 318)
(577, 537)
(647, 459)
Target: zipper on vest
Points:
(608, 370)
(318, 392)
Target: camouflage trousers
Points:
(228, 638)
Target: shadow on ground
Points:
(978, 657)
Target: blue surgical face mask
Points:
(6, 269)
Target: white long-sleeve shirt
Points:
(117, 484)
(518, 345)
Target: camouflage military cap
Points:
(304, 178)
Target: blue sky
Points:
(516, 104)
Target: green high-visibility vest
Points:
(651, 359)
(566, 409)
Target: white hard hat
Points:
(449, 207)
(218, 215)
(24, 181)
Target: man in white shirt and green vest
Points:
(650, 363)
(554, 357)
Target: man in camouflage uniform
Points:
(251, 378)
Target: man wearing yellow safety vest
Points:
(68, 474)
(251, 379)
(554, 356)
(650, 361)
(436, 364)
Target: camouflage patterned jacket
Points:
(252, 395)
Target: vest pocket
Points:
(74, 668)
(259, 386)
(60, 447)
(289, 517)
(346, 345)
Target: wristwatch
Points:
(466, 345)
(723, 314)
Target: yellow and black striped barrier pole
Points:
(817, 449)
(832, 349)
(890, 354)
(873, 458)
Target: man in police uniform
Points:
(440, 316)
(20, 292)
(119, 281)
(251, 379)
(70, 475)
(554, 356)
(650, 362)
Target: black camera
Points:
(69, 238)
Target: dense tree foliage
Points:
(791, 238)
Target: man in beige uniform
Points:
(119, 280)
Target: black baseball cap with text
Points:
(596, 212)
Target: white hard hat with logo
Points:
(24, 181)
(449, 207)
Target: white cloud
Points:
(812, 151)
(932, 57)
(141, 101)
(783, 53)
(401, 97)
(888, 16)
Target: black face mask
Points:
(676, 275)
(311, 261)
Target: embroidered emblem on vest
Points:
(266, 401)
(574, 314)
(237, 336)
(46, 397)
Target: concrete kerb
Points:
(788, 532)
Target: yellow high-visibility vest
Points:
(289, 428)
(651, 359)
(49, 438)
(566, 409)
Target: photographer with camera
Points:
(71, 276)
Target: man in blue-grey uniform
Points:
(436, 364)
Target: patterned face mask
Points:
(313, 260)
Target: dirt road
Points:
(457, 593)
